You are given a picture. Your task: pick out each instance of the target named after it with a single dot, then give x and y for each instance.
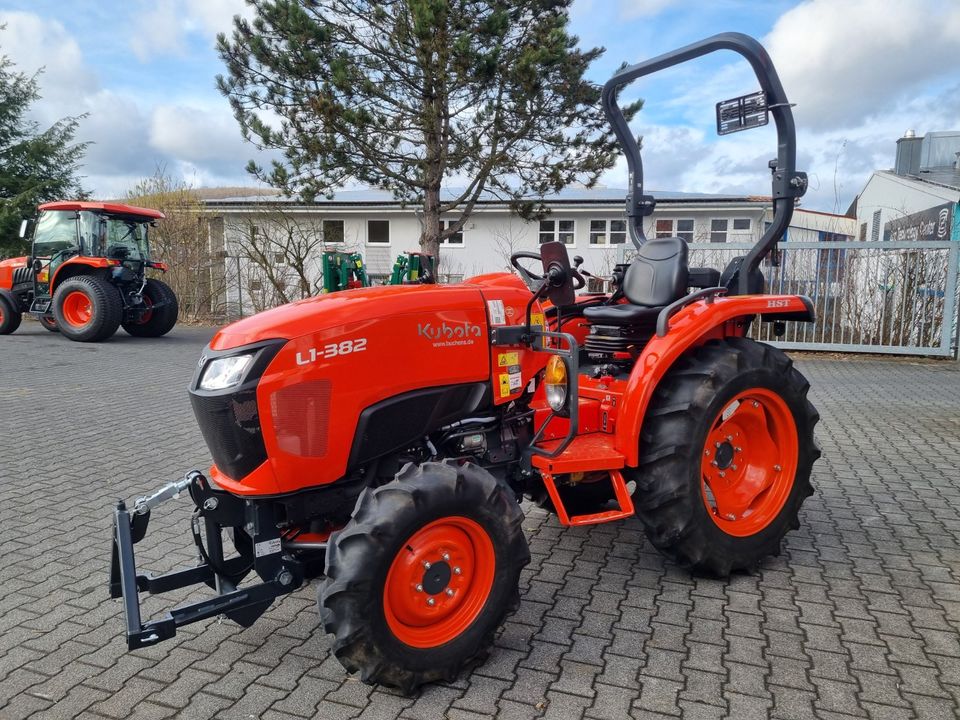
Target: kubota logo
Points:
(449, 334)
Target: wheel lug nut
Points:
(733, 467)
(777, 468)
(419, 588)
(722, 474)
(426, 565)
(431, 601)
(450, 592)
(446, 556)
(714, 463)
(456, 571)
(756, 404)
(716, 444)
(738, 449)
(729, 438)
(707, 453)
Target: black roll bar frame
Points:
(788, 184)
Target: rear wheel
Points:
(423, 574)
(161, 313)
(87, 308)
(49, 323)
(725, 456)
(10, 317)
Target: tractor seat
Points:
(657, 277)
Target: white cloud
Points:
(198, 135)
(171, 22)
(644, 8)
(34, 44)
(842, 62)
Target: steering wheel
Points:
(536, 281)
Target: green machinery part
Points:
(411, 268)
(342, 271)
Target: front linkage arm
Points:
(256, 538)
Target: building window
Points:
(456, 240)
(378, 232)
(741, 223)
(718, 230)
(682, 229)
(875, 230)
(332, 231)
(603, 232)
(560, 230)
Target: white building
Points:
(590, 221)
(918, 198)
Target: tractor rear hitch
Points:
(255, 536)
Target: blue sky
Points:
(860, 71)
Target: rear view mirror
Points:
(556, 272)
(742, 113)
(26, 228)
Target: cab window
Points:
(56, 230)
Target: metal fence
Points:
(882, 297)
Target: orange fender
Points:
(692, 326)
(92, 262)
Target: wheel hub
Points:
(724, 455)
(437, 578)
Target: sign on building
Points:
(932, 224)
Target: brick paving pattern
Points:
(858, 617)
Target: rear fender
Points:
(692, 326)
(80, 266)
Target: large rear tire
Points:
(726, 453)
(10, 317)
(87, 308)
(423, 574)
(162, 315)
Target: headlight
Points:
(224, 372)
(555, 381)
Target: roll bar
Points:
(788, 184)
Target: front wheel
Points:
(726, 453)
(49, 323)
(10, 317)
(423, 574)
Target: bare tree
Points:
(182, 241)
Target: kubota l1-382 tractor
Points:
(86, 273)
(383, 437)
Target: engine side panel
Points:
(347, 352)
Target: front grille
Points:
(301, 418)
(230, 425)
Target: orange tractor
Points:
(382, 438)
(86, 273)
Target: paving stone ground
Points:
(858, 617)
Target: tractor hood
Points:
(306, 317)
(6, 270)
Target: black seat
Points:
(656, 278)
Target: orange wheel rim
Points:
(77, 308)
(439, 582)
(749, 462)
(148, 313)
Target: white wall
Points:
(894, 197)
(491, 235)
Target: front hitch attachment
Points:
(258, 545)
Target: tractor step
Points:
(593, 451)
(620, 491)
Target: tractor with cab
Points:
(86, 273)
(382, 439)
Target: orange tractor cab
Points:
(382, 438)
(86, 273)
